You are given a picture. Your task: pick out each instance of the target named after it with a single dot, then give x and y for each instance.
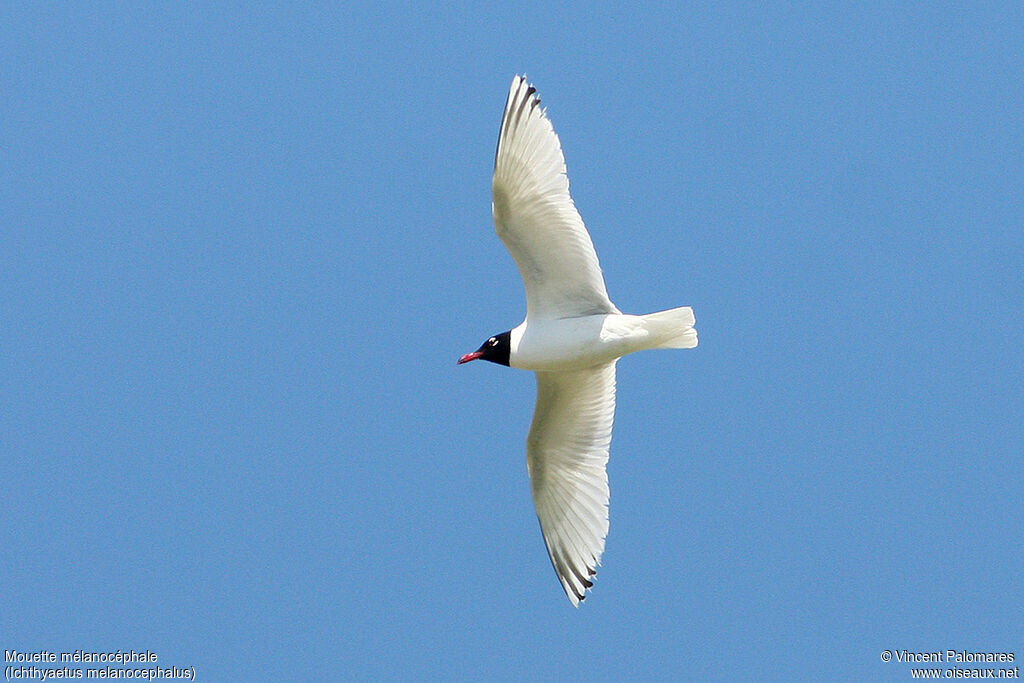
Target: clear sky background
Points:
(242, 247)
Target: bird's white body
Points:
(551, 345)
(571, 338)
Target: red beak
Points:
(470, 356)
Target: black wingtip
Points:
(532, 97)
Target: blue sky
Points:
(242, 248)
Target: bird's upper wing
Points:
(566, 454)
(535, 216)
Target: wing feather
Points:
(535, 217)
(566, 455)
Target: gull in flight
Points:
(571, 338)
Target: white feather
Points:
(566, 454)
(535, 216)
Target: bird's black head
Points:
(497, 349)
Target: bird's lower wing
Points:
(566, 454)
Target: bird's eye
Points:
(493, 341)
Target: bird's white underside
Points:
(572, 337)
(567, 447)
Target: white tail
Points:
(672, 329)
